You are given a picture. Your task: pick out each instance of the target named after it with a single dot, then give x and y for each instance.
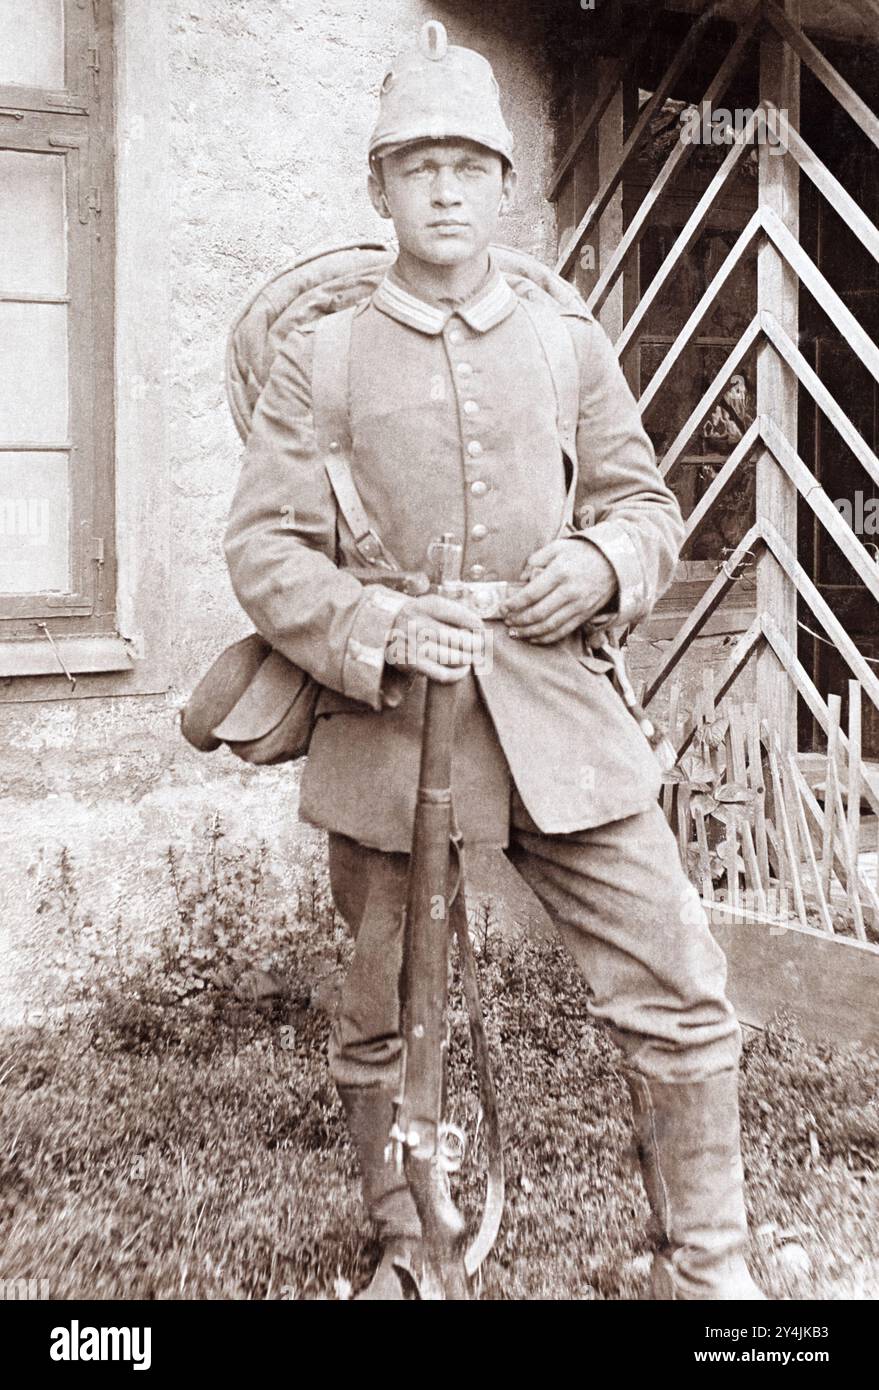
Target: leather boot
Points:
(386, 1195)
(688, 1142)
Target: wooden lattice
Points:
(771, 235)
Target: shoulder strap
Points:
(329, 387)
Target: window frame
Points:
(76, 123)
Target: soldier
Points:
(456, 427)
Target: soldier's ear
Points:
(509, 189)
(377, 196)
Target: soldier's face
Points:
(445, 198)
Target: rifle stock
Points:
(423, 1142)
(424, 1000)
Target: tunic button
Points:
(476, 571)
(464, 369)
(479, 532)
(479, 488)
(474, 448)
(456, 336)
(470, 408)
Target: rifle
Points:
(424, 1143)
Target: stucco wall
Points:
(269, 103)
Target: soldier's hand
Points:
(436, 637)
(568, 582)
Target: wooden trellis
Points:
(782, 267)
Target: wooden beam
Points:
(873, 7)
(611, 138)
(853, 789)
(800, 581)
(795, 796)
(606, 90)
(802, 265)
(699, 616)
(648, 111)
(813, 493)
(697, 516)
(688, 234)
(824, 71)
(657, 381)
(852, 213)
(820, 394)
(673, 164)
(777, 387)
(736, 357)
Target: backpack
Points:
(253, 698)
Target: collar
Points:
(492, 302)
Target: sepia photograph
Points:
(439, 664)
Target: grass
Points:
(193, 1147)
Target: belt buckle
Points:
(482, 596)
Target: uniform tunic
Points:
(454, 426)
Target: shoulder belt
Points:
(332, 353)
(329, 389)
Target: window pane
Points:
(33, 373)
(34, 523)
(32, 42)
(33, 256)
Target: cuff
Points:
(395, 686)
(618, 548)
(363, 666)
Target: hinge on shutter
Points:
(93, 202)
(98, 549)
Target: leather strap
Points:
(332, 352)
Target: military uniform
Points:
(455, 427)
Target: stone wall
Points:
(267, 105)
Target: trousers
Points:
(621, 902)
